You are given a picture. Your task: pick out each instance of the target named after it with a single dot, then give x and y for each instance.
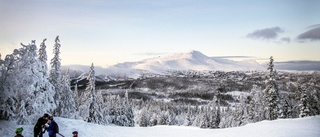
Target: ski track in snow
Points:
(300, 127)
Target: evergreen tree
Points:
(143, 118)
(271, 94)
(55, 74)
(204, 122)
(90, 110)
(128, 111)
(218, 115)
(314, 104)
(69, 108)
(304, 108)
(43, 57)
(256, 105)
(27, 94)
(187, 120)
(23, 115)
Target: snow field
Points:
(300, 127)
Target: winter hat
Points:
(19, 130)
(46, 115)
(75, 132)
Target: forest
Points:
(205, 99)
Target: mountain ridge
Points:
(192, 60)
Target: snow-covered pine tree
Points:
(90, 111)
(204, 122)
(227, 120)
(214, 113)
(163, 117)
(304, 106)
(271, 94)
(256, 105)
(24, 86)
(218, 115)
(68, 109)
(43, 57)
(286, 110)
(187, 120)
(143, 118)
(172, 118)
(240, 112)
(128, 112)
(314, 103)
(22, 114)
(55, 74)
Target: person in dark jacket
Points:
(19, 132)
(40, 125)
(75, 134)
(52, 127)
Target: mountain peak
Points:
(192, 60)
(194, 55)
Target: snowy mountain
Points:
(193, 60)
(301, 127)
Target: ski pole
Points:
(61, 135)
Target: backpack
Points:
(56, 127)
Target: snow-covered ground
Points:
(301, 127)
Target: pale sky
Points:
(106, 32)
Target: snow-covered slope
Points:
(301, 127)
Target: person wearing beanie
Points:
(40, 125)
(75, 134)
(19, 132)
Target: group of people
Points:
(45, 123)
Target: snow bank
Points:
(301, 127)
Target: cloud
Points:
(312, 35)
(285, 39)
(267, 33)
(314, 26)
(300, 65)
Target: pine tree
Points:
(128, 112)
(55, 74)
(256, 105)
(304, 108)
(271, 94)
(90, 109)
(187, 120)
(43, 57)
(27, 94)
(204, 122)
(218, 115)
(68, 109)
(23, 115)
(143, 118)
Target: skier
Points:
(40, 125)
(75, 134)
(52, 127)
(19, 132)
